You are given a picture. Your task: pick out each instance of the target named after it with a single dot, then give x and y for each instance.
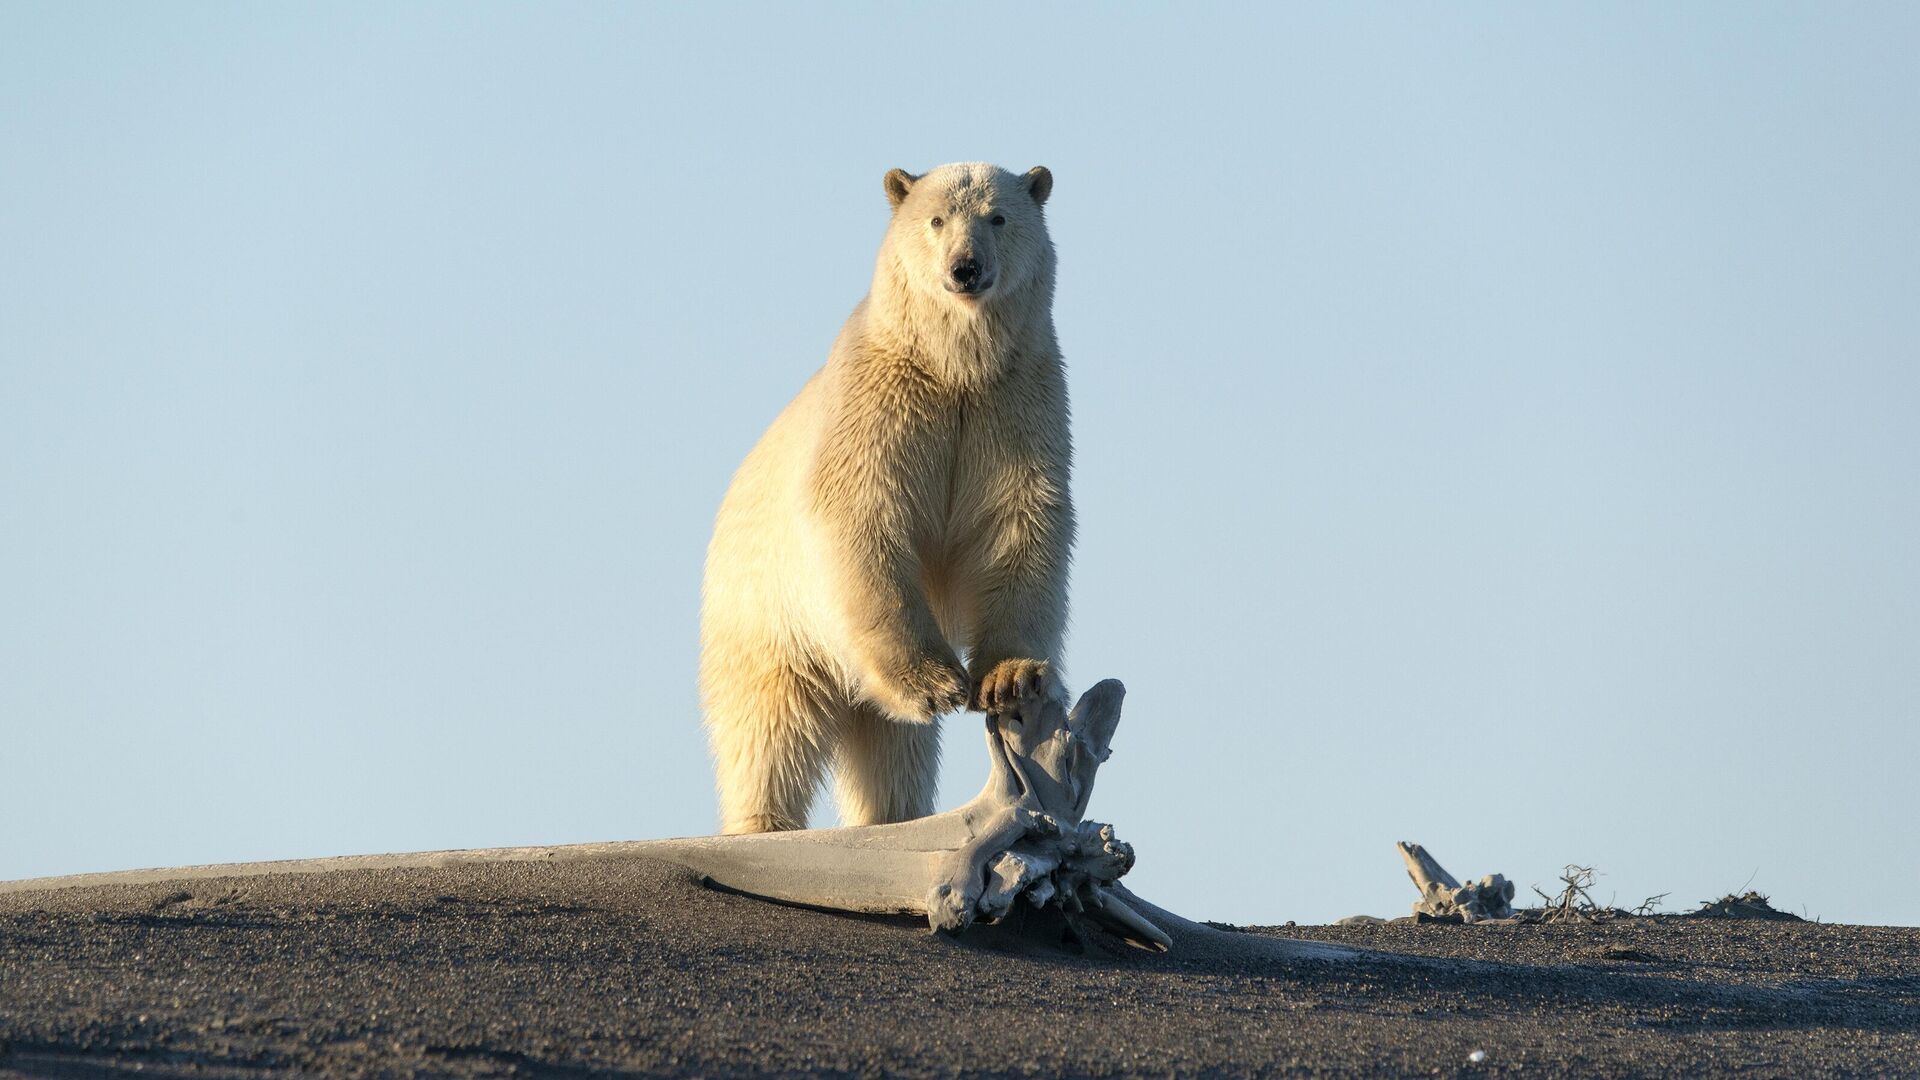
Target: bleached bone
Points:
(1443, 897)
(1023, 836)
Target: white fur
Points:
(909, 505)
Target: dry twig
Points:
(1574, 902)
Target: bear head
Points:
(969, 235)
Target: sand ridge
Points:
(627, 966)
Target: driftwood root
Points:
(1444, 899)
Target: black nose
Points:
(965, 273)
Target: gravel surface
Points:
(627, 966)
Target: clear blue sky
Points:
(1498, 426)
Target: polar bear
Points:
(911, 504)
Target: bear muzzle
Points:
(966, 277)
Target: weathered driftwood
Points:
(1023, 840)
(1024, 837)
(1443, 897)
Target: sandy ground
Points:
(625, 966)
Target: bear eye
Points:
(937, 222)
(999, 219)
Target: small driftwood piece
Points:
(1024, 838)
(1574, 903)
(1443, 898)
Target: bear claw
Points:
(927, 690)
(1011, 683)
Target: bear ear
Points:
(898, 182)
(1039, 183)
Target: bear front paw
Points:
(1010, 682)
(925, 691)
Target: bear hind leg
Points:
(886, 770)
(771, 748)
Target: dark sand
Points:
(629, 967)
